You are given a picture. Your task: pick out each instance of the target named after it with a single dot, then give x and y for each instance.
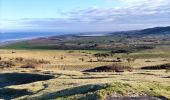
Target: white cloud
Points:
(136, 11)
(145, 2)
(134, 14)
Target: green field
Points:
(71, 83)
(124, 66)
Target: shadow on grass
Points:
(69, 92)
(145, 74)
(92, 77)
(8, 79)
(138, 98)
(8, 93)
(166, 77)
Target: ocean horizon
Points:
(18, 36)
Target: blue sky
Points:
(16, 9)
(82, 15)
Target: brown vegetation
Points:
(33, 63)
(111, 68)
(157, 67)
(4, 64)
(29, 65)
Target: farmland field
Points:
(84, 49)
(71, 67)
(67, 67)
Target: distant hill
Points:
(148, 31)
(134, 40)
(156, 30)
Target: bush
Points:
(70, 51)
(29, 65)
(35, 61)
(130, 60)
(61, 57)
(19, 59)
(157, 67)
(101, 55)
(42, 61)
(7, 63)
(119, 51)
(82, 59)
(144, 47)
(111, 68)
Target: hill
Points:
(126, 40)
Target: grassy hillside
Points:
(130, 40)
(116, 66)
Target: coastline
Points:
(8, 38)
(47, 35)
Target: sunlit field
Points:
(84, 49)
(71, 81)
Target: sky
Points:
(82, 15)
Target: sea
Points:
(18, 36)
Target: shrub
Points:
(42, 61)
(35, 61)
(29, 65)
(19, 59)
(119, 51)
(101, 55)
(13, 52)
(61, 57)
(119, 59)
(70, 51)
(82, 59)
(144, 47)
(100, 59)
(129, 60)
(157, 67)
(111, 68)
(7, 63)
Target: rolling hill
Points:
(126, 40)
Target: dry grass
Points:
(71, 79)
(67, 70)
(71, 61)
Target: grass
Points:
(126, 89)
(71, 91)
(72, 60)
(69, 83)
(78, 86)
(18, 45)
(103, 91)
(64, 59)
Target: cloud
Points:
(150, 2)
(135, 11)
(133, 14)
